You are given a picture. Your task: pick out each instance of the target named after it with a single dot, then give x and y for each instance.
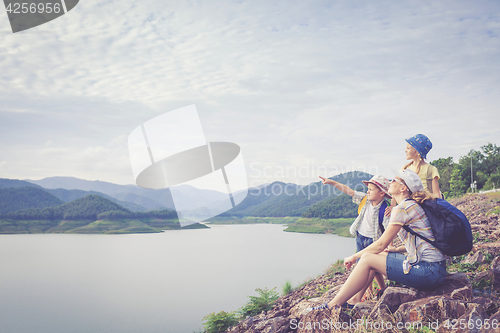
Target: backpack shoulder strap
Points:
(411, 231)
(362, 203)
(381, 213)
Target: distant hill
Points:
(19, 198)
(148, 198)
(333, 208)
(86, 208)
(70, 195)
(10, 183)
(90, 214)
(279, 199)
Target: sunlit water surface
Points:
(150, 282)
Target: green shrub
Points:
(257, 304)
(219, 322)
(287, 288)
(336, 268)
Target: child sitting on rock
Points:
(367, 227)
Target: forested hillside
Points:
(280, 199)
(19, 198)
(456, 177)
(86, 208)
(91, 214)
(10, 183)
(70, 195)
(338, 207)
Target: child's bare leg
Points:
(359, 277)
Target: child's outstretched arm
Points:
(344, 188)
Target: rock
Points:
(323, 321)
(495, 263)
(381, 313)
(463, 294)
(393, 297)
(450, 284)
(495, 271)
(470, 322)
(301, 308)
(363, 309)
(430, 309)
(273, 325)
(483, 279)
(472, 258)
(487, 304)
(495, 318)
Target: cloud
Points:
(290, 82)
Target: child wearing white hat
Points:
(366, 227)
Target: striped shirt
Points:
(408, 212)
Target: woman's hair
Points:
(421, 196)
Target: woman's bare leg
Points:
(359, 276)
(380, 281)
(359, 295)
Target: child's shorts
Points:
(362, 241)
(424, 275)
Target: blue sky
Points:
(306, 88)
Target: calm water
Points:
(152, 282)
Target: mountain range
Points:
(41, 198)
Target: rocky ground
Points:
(468, 301)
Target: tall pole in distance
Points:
(471, 175)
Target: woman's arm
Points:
(376, 247)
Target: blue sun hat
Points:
(421, 143)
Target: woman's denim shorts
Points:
(424, 275)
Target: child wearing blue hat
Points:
(416, 150)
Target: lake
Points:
(164, 282)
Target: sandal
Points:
(347, 306)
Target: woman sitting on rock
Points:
(423, 268)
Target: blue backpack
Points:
(449, 225)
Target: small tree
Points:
(263, 302)
(219, 322)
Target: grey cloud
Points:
(288, 82)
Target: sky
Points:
(305, 88)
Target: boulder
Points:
(450, 284)
(464, 294)
(495, 272)
(494, 324)
(472, 258)
(363, 309)
(381, 313)
(483, 279)
(487, 304)
(323, 321)
(470, 322)
(301, 308)
(393, 297)
(273, 325)
(495, 263)
(430, 309)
